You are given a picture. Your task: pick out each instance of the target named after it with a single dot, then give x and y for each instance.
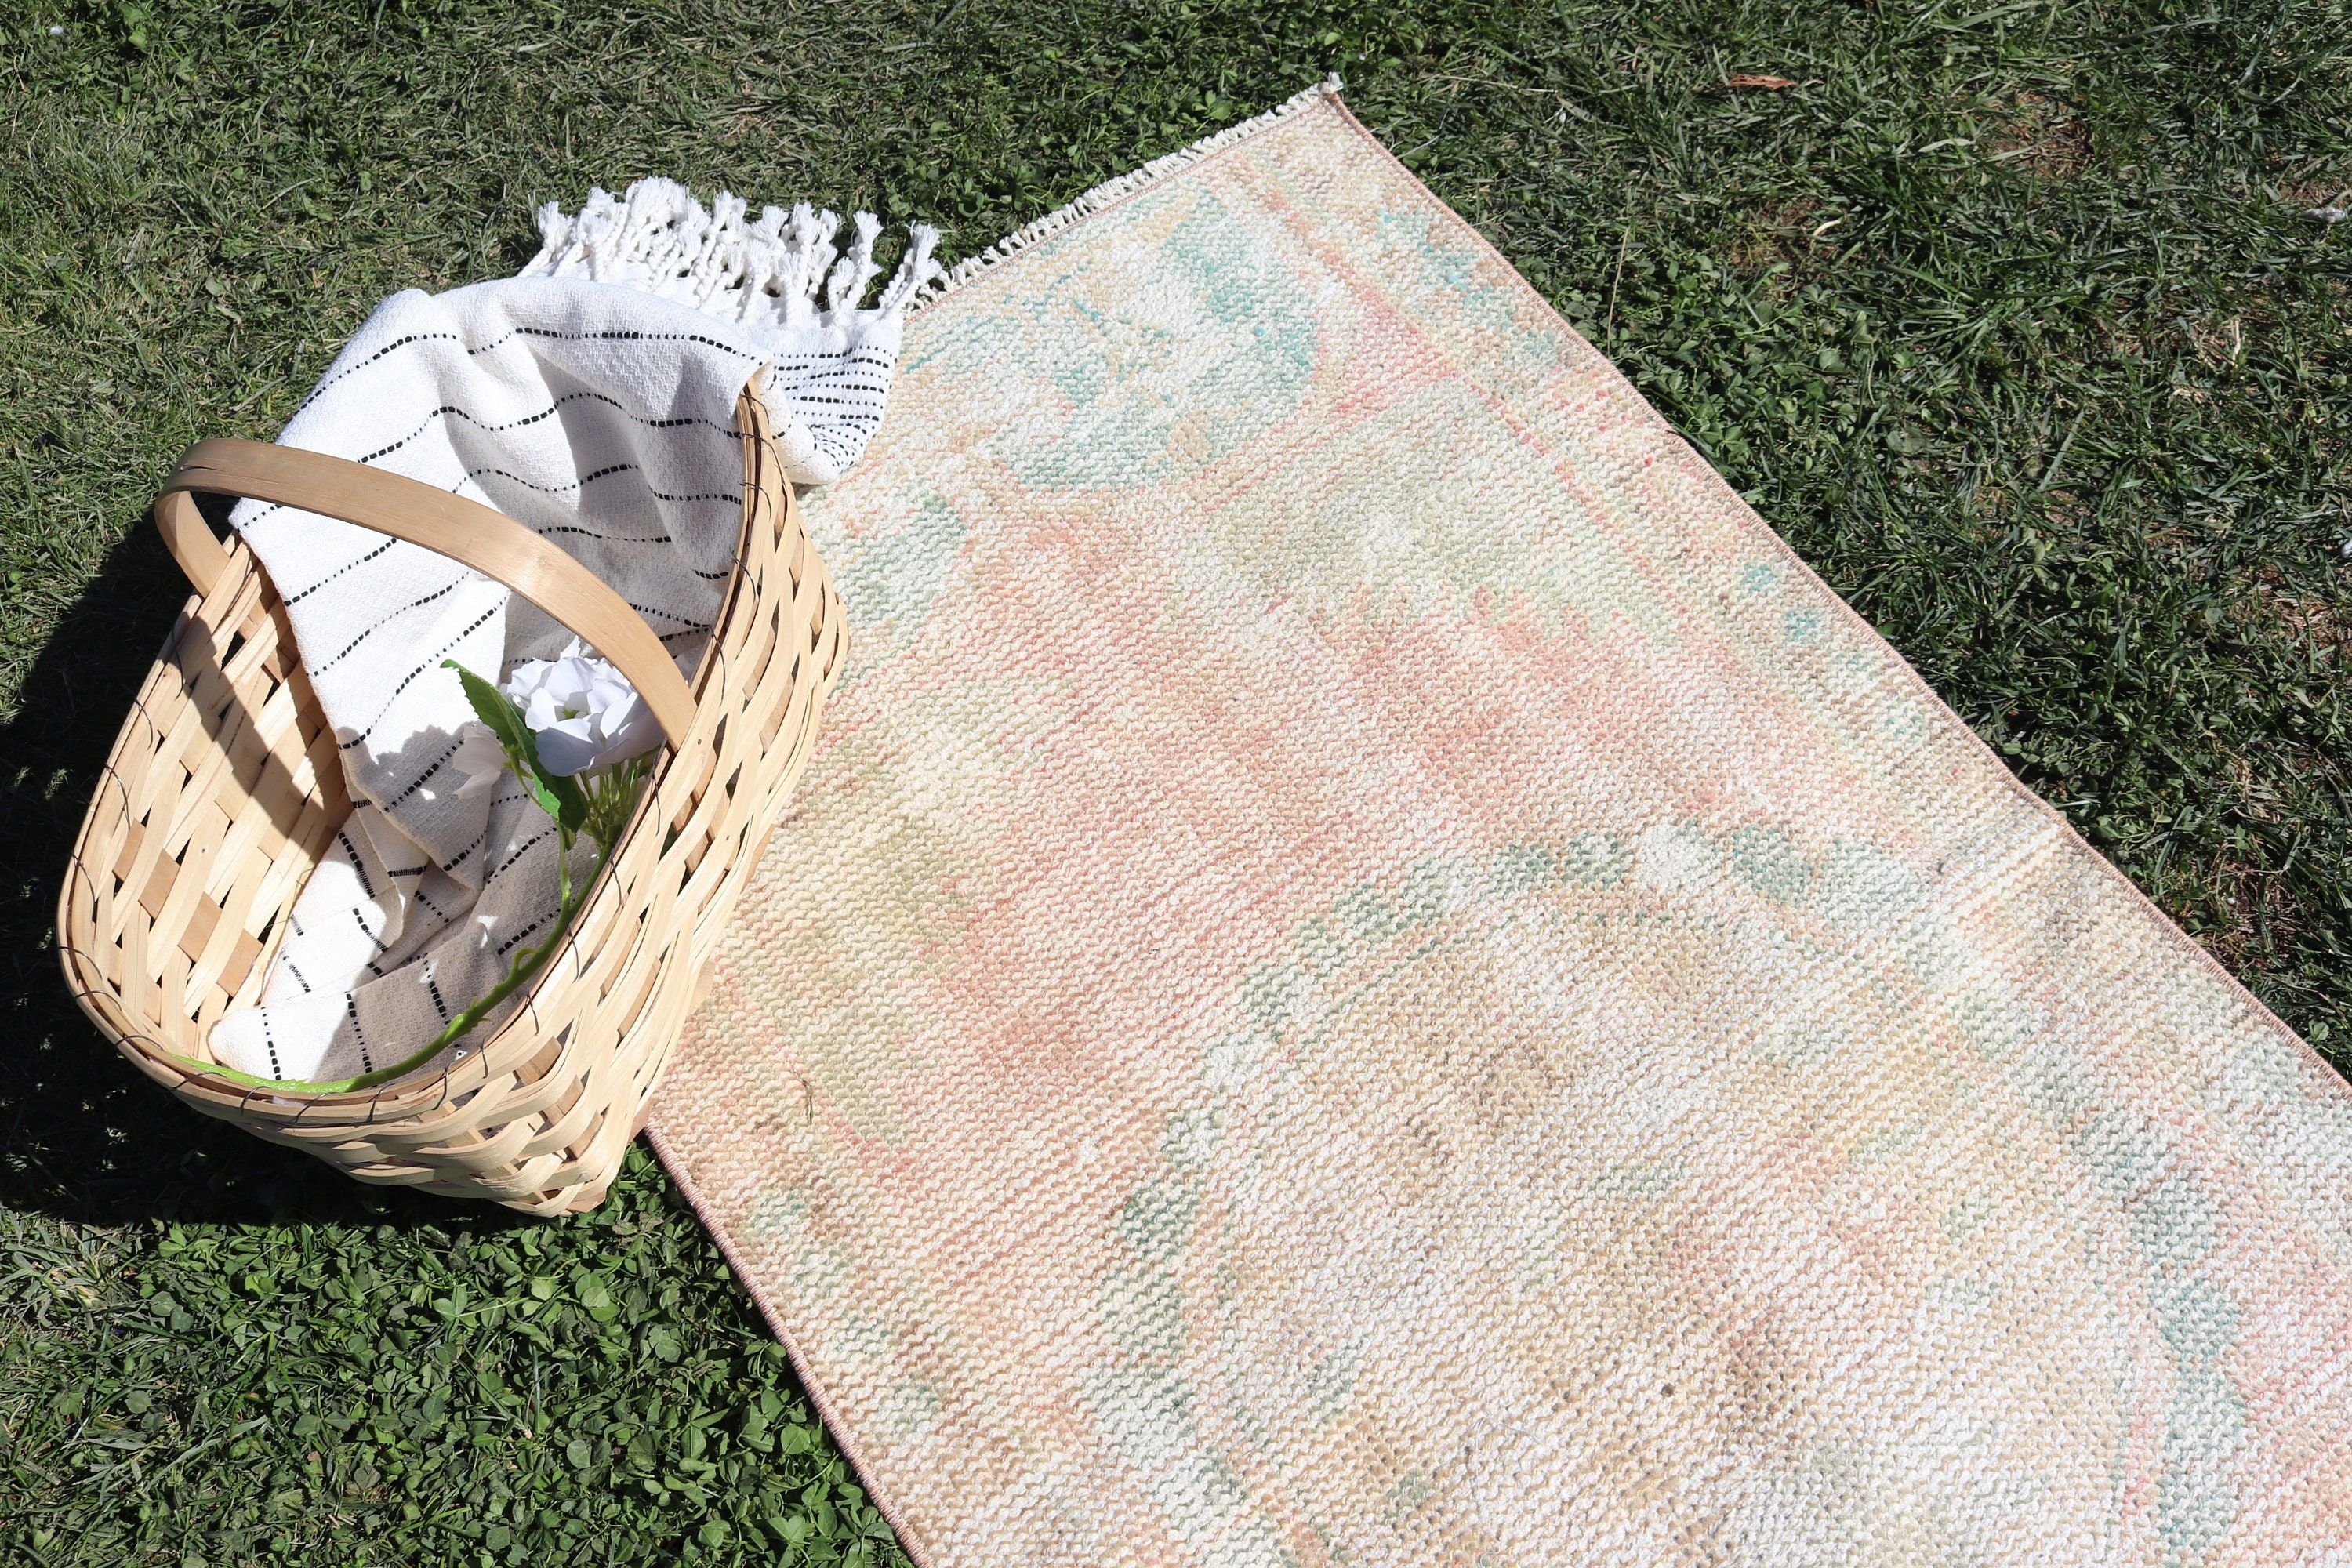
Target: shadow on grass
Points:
(82, 1135)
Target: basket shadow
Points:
(82, 1135)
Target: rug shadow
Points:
(84, 1137)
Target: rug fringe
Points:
(784, 270)
(1109, 191)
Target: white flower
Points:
(582, 713)
(480, 760)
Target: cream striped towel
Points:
(593, 399)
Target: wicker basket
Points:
(225, 788)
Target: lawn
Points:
(2014, 318)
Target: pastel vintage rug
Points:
(1372, 971)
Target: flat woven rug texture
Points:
(1370, 971)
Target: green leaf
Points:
(562, 798)
(571, 807)
(504, 719)
(595, 1297)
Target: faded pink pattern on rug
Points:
(1371, 972)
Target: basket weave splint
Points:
(225, 788)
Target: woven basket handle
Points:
(490, 543)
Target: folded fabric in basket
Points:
(592, 398)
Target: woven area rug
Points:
(1372, 971)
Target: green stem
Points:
(526, 963)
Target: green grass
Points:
(2008, 315)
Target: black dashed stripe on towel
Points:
(607, 538)
(344, 652)
(527, 846)
(650, 610)
(552, 335)
(379, 550)
(836, 389)
(490, 427)
(351, 853)
(582, 482)
(522, 935)
(860, 355)
(358, 1032)
(392, 347)
(433, 662)
(847, 394)
(542, 333)
(417, 783)
(451, 865)
(586, 480)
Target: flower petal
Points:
(478, 760)
(568, 747)
(632, 729)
